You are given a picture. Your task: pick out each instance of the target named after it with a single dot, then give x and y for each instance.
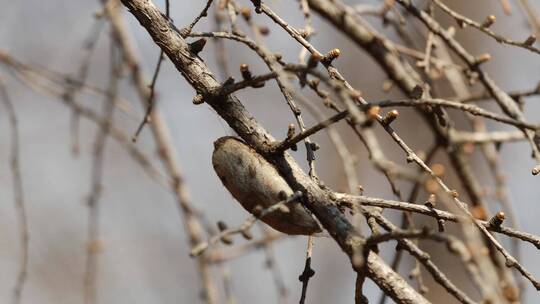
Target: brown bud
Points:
(489, 21)
(246, 13)
(454, 193)
(530, 40)
(291, 131)
(373, 113)
(246, 233)
(246, 73)
(438, 169)
(330, 56)
(264, 30)
(483, 58)
(497, 220)
(226, 239)
(536, 170)
(244, 68)
(430, 203)
(257, 210)
(390, 117)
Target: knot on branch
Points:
(308, 272)
(257, 4)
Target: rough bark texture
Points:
(316, 198)
(391, 282)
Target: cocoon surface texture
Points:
(253, 181)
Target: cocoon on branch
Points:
(253, 182)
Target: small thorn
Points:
(197, 46)
(291, 131)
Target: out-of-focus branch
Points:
(18, 194)
(93, 242)
(165, 148)
(349, 200)
(484, 27)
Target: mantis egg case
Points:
(253, 181)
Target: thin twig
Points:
(18, 195)
(245, 226)
(447, 216)
(307, 273)
(93, 243)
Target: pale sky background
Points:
(145, 255)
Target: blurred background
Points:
(144, 256)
